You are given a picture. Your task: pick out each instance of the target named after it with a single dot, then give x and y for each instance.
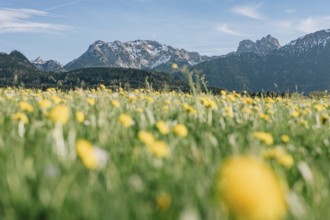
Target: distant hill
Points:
(48, 66)
(123, 77)
(301, 65)
(16, 70)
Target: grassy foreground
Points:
(105, 154)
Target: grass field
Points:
(104, 154)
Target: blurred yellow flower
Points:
(125, 120)
(285, 138)
(60, 114)
(92, 157)
(25, 106)
(20, 116)
(264, 137)
(180, 130)
(80, 116)
(146, 137)
(115, 103)
(208, 103)
(159, 149)
(163, 201)
(175, 66)
(44, 104)
(250, 190)
(188, 108)
(85, 152)
(280, 156)
(163, 127)
(90, 101)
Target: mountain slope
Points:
(15, 68)
(48, 66)
(137, 54)
(301, 65)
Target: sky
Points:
(63, 29)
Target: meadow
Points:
(142, 154)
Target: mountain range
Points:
(301, 65)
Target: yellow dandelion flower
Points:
(44, 104)
(324, 118)
(295, 114)
(162, 127)
(175, 66)
(146, 137)
(264, 117)
(159, 149)
(279, 154)
(80, 116)
(180, 130)
(60, 114)
(163, 201)
(208, 103)
(250, 190)
(90, 101)
(264, 137)
(25, 106)
(20, 116)
(149, 99)
(115, 103)
(85, 152)
(125, 120)
(318, 107)
(57, 100)
(285, 138)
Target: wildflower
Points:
(229, 112)
(125, 120)
(188, 108)
(163, 127)
(180, 130)
(175, 66)
(25, 106)
(250, 190)
(324, 118)
(146, 137)
(295, 114)
(80, 117)
(57, 100)
(92, 157)
(264, 137)
(159, 149)
(149, 99)
(20, 116)
(318, 107)
(60, 114)
(44, 104)
(264, 117)
(115, 103)
(163, 201)
(280, 156)
(90, 101)
(285, 138)
(208, 103)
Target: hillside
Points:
(302, 65)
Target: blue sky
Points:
(63, 29)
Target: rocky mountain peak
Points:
(139, 54)
(262, 46)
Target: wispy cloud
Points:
(19, 20)
(290, 11)
(250, 11)
(64, 5)
(224, 28)
(305, 25)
